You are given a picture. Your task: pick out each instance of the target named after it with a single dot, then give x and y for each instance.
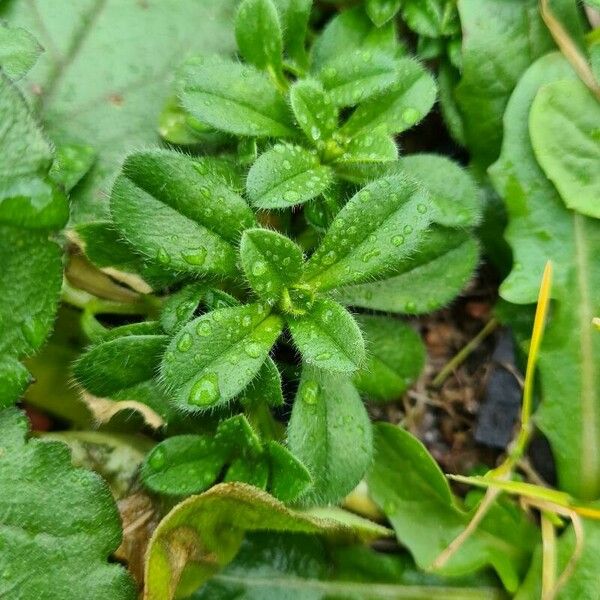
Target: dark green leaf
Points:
(330, 432)
(314, 111)
(395, 358)
(294, 16)
(373, 235)
(328, 337)
(266, 386)
(289, 478)
(181, 306)
(401, 106)
(286, 175)
(234, 98)
(19, 51)
(270, 261)
(14, 379)
(404, 476)
(58, 524)
(214, 357)
(177, 213)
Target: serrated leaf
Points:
(381, 11)
(452, 188)
(124, 359)
(505, 38)
(541, 228)
(213, 526)
(564, 125)
(258, 35)
(285, 176)
(183, 465)
(399, 107)
(395, 358)
(270, 261)
(181, 306)
(27, 197)
(294, 17)
(373, 235)
(59, 524)
(329, 418)
(198, 364)
(235, 98)
(88, 93)
(14, 379)
(404, 475)
(352, 30)
(444, 265)
(177, 215)
(328, 337)
(353, 77)
(315, 113)
(19, 51)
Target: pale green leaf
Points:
(381, 11)
(366, 147)
(19, 51)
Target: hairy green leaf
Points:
(235, 98)
(328, 337)
(444, 265)
(181, 306)
(88, 92)
(58, 524)
(381, 11)
(14, 379)
(210, 528)
(354, 77)
(565, 134)
(315, 113)
(177, 213)
(399, 107)
(258, 35)
(431, 18)
(266, 386)
(366, 147)
(286, 175)
(71, 163)
(288, 478)
(328, 419)
(373, 235)
(270, 261)
(395, 358)
(542, 228)
(404, 476)
(214, 357)
(19, 51)
(294, 16)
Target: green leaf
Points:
(366, 147)
(286, 175)
(270, 261)
(181, 306)
(19, 51)
(90, 94)
(258, 35)
(178, 214)
(330, 432)
(289, 478)
(373, 235)
(541, 228)
(235, 98)
(354, 77)
(121, 361)
(211, 528)
(294, 17)
(381, 11)
(71, 163)
(183, 465)
(315, 113)
(565, 134)
(395, 358)
(266, 386)
(328, 337)
(214, 357)
(505, 37)
(399, 107)
(444, 265)
(581, 582)
(27, 197)
(403, 476)
(352, 30)
(59, 524)
(431, 18)
(14, 379)
(452, 188)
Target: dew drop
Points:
(203, 329)
(195, 257)
(410, 306)
(323, 356)
(259, 268)
(158, 458)
(205, 391)
(407, 229)
(185, 342)
(329, 258)
(247, 321)
(291, 196)
(411, 115)
(253, 349)
(422, 208)
(398, 240)
(162, 256)
(310, 392)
